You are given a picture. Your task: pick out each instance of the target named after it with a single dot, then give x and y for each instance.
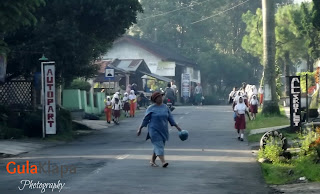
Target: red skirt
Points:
(240, 122)
(254, 108)
(116, 113)
(126, 106)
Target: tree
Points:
(316, 14)
(14, 14)
(270, 103)
(73, 33)
(174, 27)
(291, 44)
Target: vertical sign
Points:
(295, 102)
(185, 84)
(3, 67)
(49, 98)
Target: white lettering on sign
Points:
(295, 91)
(49, 99)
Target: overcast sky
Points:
(299, 1)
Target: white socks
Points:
(241, 135)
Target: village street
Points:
(115, 160)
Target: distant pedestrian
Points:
(254, 107)
(232, 95)
(108, 109)
(260, 91)
(156, 118)
(128, 89)
(126, 105)
(169, 94)
(198, 94)
(240, 124)
(133, 102)
(116, 107)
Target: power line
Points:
(165, 13)
(220, 12)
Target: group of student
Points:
(242, 105)
(114, 106)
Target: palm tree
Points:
(270, 103)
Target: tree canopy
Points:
(73, 33)
(16, 13)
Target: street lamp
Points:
(43, 58)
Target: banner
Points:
(49, 97)
(185, 85)
(166, 69)
(295, 103)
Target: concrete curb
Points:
(264, 130)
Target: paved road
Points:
(115, 160)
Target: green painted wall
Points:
(71, 99)
(78, 99)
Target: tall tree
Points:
(270, 103)
(14, 14)
(73, 39)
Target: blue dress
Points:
(156, 118)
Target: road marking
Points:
(123, 157)
(187, 113)
(181, 118)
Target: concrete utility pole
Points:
(270, 102)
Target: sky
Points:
(299, 1)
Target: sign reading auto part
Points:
(295, 102)
(49, 98)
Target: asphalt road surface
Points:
(115, 160)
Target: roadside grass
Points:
(285, 132)
(280, 173)
(264, 121)
(285, 171)
(306, 166)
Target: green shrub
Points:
(64, 121)
(80, 84)
(32, 123)
(272, 152)
(311, 80)
(9, 133)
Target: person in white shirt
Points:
(126, 105)
(260, 91)
(133, 102)
(236, 99)
(116, 107)
(232, 95)
(240, 124)
(254, 106)
(108, 109)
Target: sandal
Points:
(165, 165)
(153, 164)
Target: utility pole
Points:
(270, 102)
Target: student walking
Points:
(108, 109)
(116, 110)
(132, 101)
(240, 124)
(156, 118)
(126, 104)
(254, 106)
